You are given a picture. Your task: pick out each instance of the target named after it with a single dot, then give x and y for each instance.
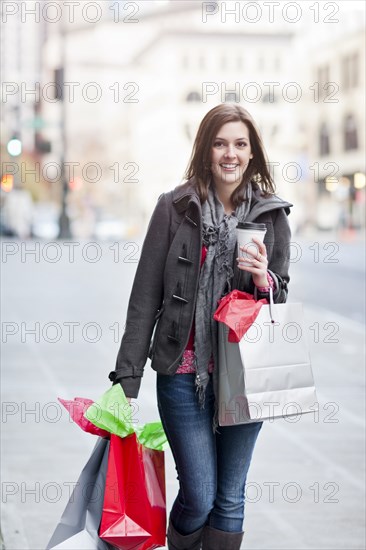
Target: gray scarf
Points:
(219, 236)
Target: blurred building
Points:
(335, 124)
(21, 45)
(137, 82)
(168, 71)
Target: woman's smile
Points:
(228, 167)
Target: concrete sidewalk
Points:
(305, 488)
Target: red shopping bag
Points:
(238, 310)
(134, 507)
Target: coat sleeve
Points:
(278, 267)
(145, 300)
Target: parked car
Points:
(6, 231)
(45, 224)
(110, 228)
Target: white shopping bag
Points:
(268, 373)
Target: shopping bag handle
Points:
(270, 303)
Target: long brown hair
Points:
(199, 165)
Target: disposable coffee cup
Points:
(245, 232)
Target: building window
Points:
(354, 64)
(193, 96)
(350, 64)
(323, 80)
(269, 98)
(350, 133)
(324, 148)
(345, 73)
(231, 97)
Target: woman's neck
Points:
(224, 196)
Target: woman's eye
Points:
(240, 144)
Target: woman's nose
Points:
(230, 152)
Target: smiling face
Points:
(231, 153)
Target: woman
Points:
(188, 262)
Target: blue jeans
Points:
(212, 468)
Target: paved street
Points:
(306, 483)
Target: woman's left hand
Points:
(258, 261)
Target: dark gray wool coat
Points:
(165, 285)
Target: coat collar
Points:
(185, 198)
(184, 195)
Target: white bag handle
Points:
(270, 301)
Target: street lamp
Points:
(14, 147)
(64, 222)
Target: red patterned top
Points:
(186, 366)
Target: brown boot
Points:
(176, 541)
(215, 539)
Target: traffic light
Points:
(75, 183)
(7, 182)
(42, 145)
